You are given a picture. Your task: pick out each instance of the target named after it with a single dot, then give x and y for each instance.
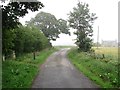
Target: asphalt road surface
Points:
(58, 72)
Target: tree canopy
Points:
(49, 25)
(82, 20)
(10, 20)
(14, 10)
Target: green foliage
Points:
(49, 25)
(21, 73)
(62, 26)
(82, 20)
(104, 74)
(7, 41)
(29, 40)
(10, 21)
(14, 10)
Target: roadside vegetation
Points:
(109, 52)
(26, 47)
(21, 72)
(104, 71)
(98, 64)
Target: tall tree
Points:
(49, 25)
(63, 27)
(10, 20)
(82, 20)
(14, 10)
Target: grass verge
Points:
(102, 73)
(20, 73)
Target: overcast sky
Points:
(106, 11)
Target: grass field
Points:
(103, 73)
(60, 47)
(20, 73)
(110, 53)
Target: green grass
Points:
(21, 72)
(60, 47)
(102, 73)
(109, 52)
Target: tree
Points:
(82, 20)
(49, 25)
(14, 10)
(29, 40)
(10, 20)
(63, 27)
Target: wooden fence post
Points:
(34, 55)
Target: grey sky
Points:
(106, 10)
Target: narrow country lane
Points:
(58, 72)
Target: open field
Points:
(59, 47)
(103, 71)
(110, 53)
(21, 72)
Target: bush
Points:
(29, 39)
